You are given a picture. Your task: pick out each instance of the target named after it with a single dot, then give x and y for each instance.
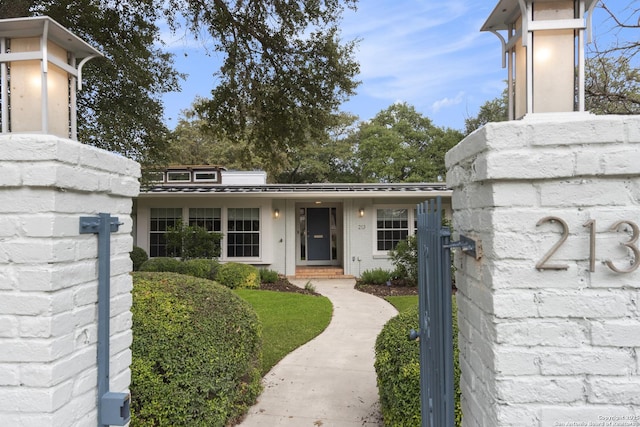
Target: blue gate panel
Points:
(436, 341)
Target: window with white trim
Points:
(160, 220)
(243, 232)
(392, 226)
(205, 176)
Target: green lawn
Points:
(288, 320)
(401, 303)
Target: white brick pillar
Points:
(48, 278)
(543, 346)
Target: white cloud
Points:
(447, 102)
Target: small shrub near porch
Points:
(234, 275)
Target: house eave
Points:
(302, 191)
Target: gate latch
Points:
(468, 246)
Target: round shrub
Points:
(196, 352)
(200, 267)
(398, 370)
(235, 275)
(161, 264)
(138, 257)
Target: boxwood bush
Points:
(235, 275)
(199, 267)
(398, 370)
(196, 352)
(162, 264)
(138, 257)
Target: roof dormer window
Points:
(178, 176)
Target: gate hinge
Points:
(91, 224)
(468, 245)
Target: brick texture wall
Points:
(549, 347)
(48, 278)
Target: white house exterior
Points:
(284, 227)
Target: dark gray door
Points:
(318, 234)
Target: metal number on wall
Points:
(544, 264)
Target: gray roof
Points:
(301, 189)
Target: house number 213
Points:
(544, 263)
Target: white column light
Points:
(38, 76)
(543, 48)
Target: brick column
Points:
(542, 346)
(48, 278)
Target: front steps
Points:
(320, 272)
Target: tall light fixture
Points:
(40, 65)
(543, 44)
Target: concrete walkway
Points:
(330, 381)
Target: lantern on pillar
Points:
(40, 65)
(543, 44)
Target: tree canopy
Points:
(401, 145)
(397, 145)
(285, 71)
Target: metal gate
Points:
(436, 341)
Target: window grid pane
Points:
(392, 227)
(207, 218)
(161, 220)
(243, 232)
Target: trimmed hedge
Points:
(234, 275)
(196, 352)
(398, 370)
(199, 267)
(161, 264)
(138, 257)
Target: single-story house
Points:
(295, 229)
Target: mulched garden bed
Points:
(283, 285)
(397, 288)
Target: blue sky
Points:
(428, 53)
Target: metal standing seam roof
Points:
(296, 188)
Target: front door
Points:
(318, 238)
(318, 234)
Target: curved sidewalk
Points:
(330, 381)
